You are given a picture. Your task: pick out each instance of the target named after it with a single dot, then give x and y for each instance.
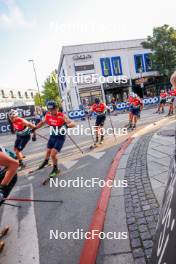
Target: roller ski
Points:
(95, 144)
(22, 166)
(133, 127)
(101, 140)
(54, 174)
(3, 233)
(44, 164)
(129, 126)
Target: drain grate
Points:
(167, 133)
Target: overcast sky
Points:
(37, 29)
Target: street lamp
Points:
(38, 88)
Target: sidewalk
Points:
(135, 209)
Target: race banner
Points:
(80, 114)
(26, 111)
(164, 241)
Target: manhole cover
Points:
(167, 133)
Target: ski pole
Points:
(75, 143)
(42, 136)
(31, 200)
(69, 138)
(112, 126)
(13, 205)
(91, 131)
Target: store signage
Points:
(82, 57)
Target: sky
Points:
(37, 29)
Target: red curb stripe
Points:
(90, 247)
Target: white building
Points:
(12, 97)
(119, 58)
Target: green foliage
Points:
(39, 100)
(163, 47)
(50, 91)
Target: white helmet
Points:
(135, 95)
(13, 113)
(131, 94)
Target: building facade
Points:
(11, 97)
(118, 60)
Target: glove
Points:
(34, 138)
(33, 130)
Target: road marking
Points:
(22, 241)
(97, 155)
(69, 164)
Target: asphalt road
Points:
(29, 240)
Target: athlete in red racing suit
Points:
(58, 123)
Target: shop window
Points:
(116, 65)
(139, 63)
(106, 67)
(148, 62)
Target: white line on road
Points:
(22, 241)
(69, 164)
(97, 155)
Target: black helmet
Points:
(51, 105)
(97, 100)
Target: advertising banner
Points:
(26, 111)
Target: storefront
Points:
(149, 86)
(90, 93)
(118, 92)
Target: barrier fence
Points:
(164, 242)
(28, 112)
(79, 114)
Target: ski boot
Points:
(101, 139)
(44, 163)
(54, 173)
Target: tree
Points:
(163, 47)
(51, 89)
(39, 100)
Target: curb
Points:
(90, 247)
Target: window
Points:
(3, 93)
(11, 94)
(106, 67)
(148, 62)
(116, 65)
(63, 84)
(19, 94)
(139, 63)
(26, 95)
(84, 67)
(32, 95)
(62, 87)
